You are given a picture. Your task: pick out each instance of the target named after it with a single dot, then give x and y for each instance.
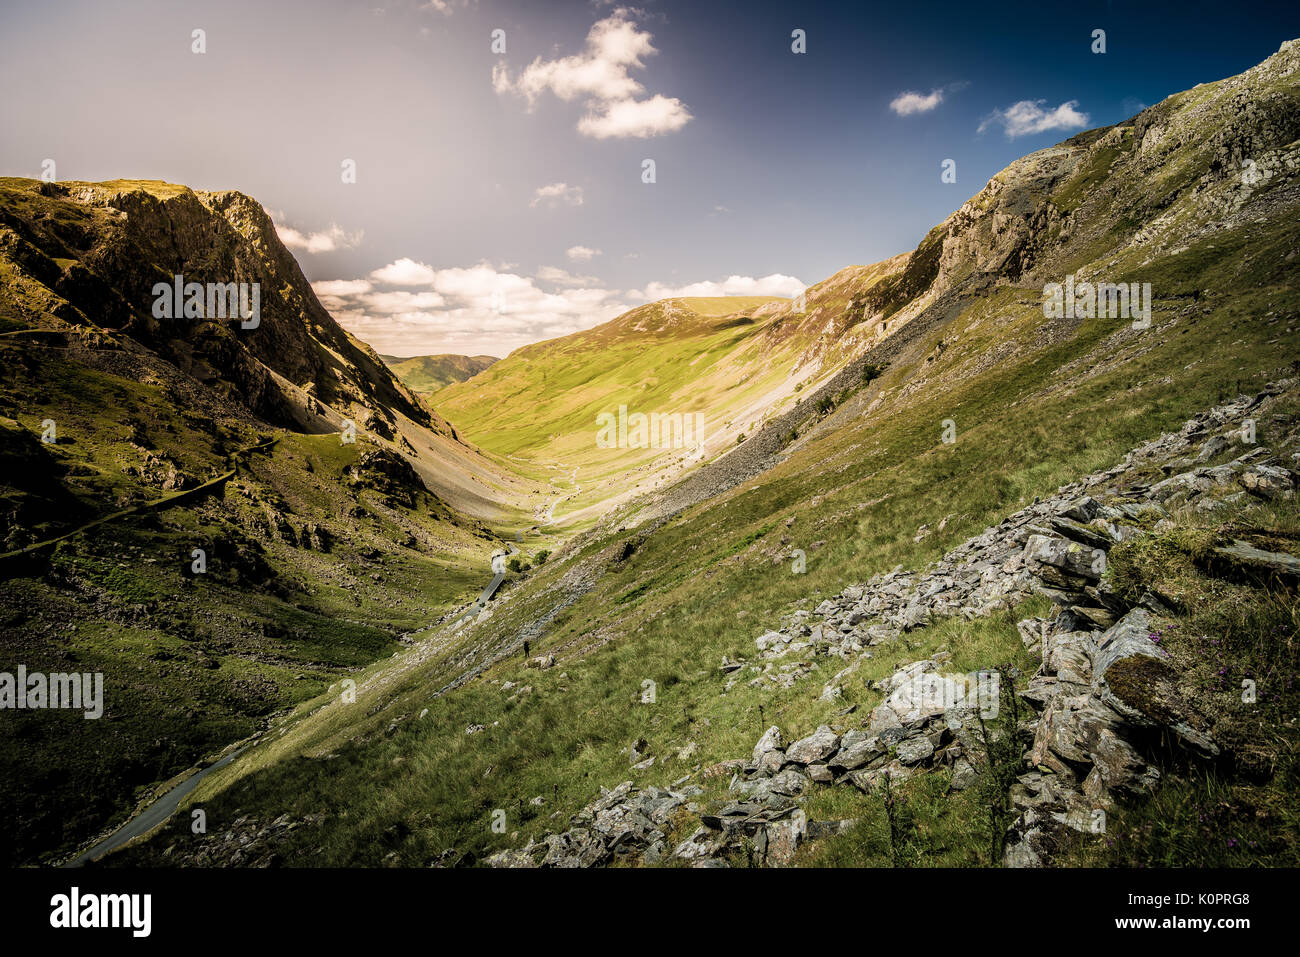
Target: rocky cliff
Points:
(88, 255)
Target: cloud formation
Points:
(479, 309)
(905, 104)
(556, 194)
(600, 78)
(485, 309)
(581, 254)
(326, 241)
(1029, 116)
(562, 277)
(775, 284)
(403, 272)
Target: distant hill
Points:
(426, 374)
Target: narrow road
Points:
(548, 516)
(165, 502)
(153, 815)
(499, 574)
(164, 807)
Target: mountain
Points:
(220, 520)
(774, 647)
(428, 374)
(1098, 509)
(725, 364)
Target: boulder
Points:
(770, 741)
(919, 699)
(818, 746)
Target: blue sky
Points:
(499, 197)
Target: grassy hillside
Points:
(453, 730)
(128, 442)
(427, 374)
(733, 361)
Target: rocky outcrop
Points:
(1056, 547)
(124, 237)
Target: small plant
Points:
(1002, 765)
(540, 557)
(901, 825)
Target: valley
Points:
(715, 653)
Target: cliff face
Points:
(90, 254)
(1170, 174)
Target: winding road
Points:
(153, 815)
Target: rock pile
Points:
(1055, 547)
(623, 823)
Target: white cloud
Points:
(483, 309)
(394, 302)
(600, 78)
(1029, 116)
(326, 241)
(775, 284)
(404, 272)
(635, 118)
(479, 309)
(556, 194)
(340, 287)
(905, 104)
(445, 7)
(581, 254)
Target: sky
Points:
(470, 176)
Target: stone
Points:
(702, 843)
(915, 751)
(1270, 563)
(923, 697)
(818, 746)
(1119, 768)
(770, 741)
(771, 762)
(1268, 481)
(1071, 558)
(963, 775)
(783, 840)
(1131, 635)
(857, 748)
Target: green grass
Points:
(705, 584)
(1240, 812)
